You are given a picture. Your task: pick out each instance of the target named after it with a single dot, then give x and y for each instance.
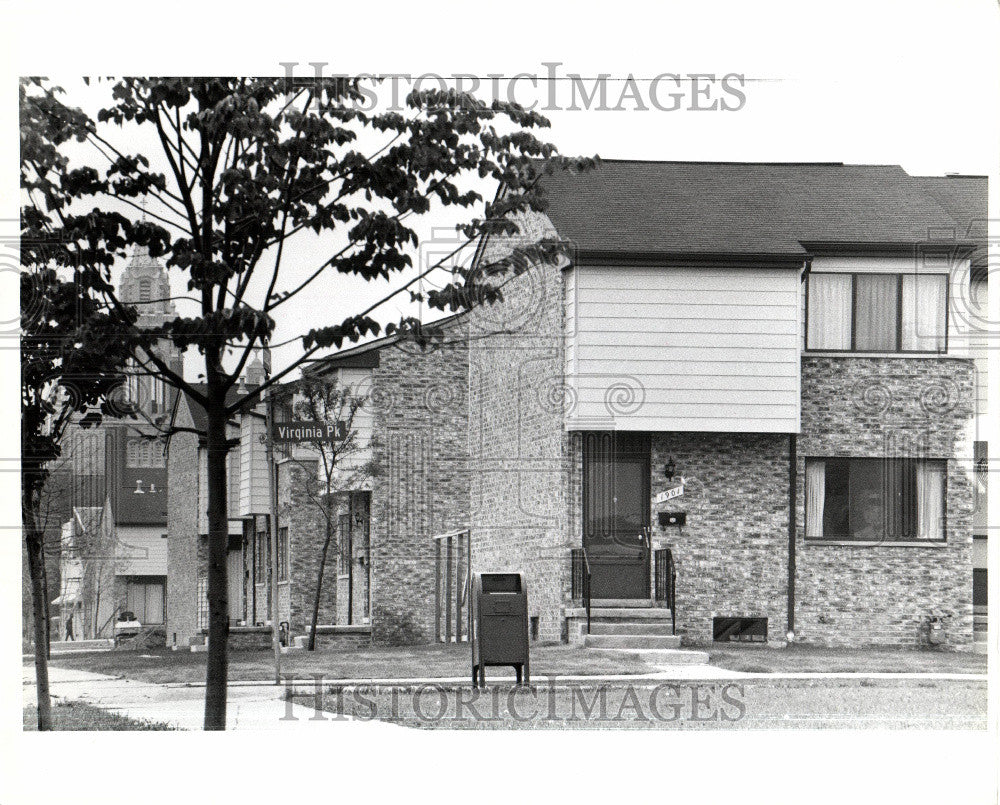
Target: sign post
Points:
(273, 526)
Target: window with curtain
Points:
(877, 312)
(875, 500)
(829, 311)
(925, 302)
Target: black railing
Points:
(665, 582)
(581, 579)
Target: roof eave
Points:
(688, 259)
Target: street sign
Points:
(670, 494)
(305, 431)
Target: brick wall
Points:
(299, 509)
(519, 450)
(732, 554)
(876, 407)
(419, 404)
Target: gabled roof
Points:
(741, 208)
(366, 356)
(198, 416)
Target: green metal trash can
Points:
(499, 627)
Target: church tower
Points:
(145, 286)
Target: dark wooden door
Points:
(616, 513)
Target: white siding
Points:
(683, 349)
(141, 551)
(253, 467)
(359, 384)
(235, 527)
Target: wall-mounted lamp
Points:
(138, 487)
(668, 469)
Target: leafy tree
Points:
(251, 163)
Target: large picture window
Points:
(875, 499)
(877, 312)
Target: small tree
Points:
(325, 400)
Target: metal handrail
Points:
(665, 582)
(672, 590)
(586, 586)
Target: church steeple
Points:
(144, 285)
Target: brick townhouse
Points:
(750, 393)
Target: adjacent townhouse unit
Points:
(403, 498)
(396, 477)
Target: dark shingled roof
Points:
(691, 208)
(964, 197)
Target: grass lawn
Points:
(434, 661)
(440, 661)
(809, 659)
(73, 715)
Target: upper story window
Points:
(144, 453)
(877, 312)
(145, 289)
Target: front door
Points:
(616, 513)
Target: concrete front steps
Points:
(979, 629)
(632, 628)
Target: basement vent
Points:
(739, 630)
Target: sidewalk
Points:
(258, 707)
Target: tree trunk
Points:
(319, 583)
(217, 670)
(47, 616)
(35, 546)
